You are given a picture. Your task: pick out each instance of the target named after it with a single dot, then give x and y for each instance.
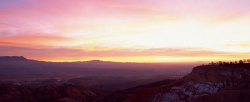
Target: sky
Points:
(126, 30)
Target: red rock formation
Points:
(203, 82)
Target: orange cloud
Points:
(135, 29)
(36, 38)
(64, 54)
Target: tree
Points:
(224, 63)
(241, 62)
(248, 60)
(220, 63)
(212, 63)
(231, 63)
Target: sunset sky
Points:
(126, 30)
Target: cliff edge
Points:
(204, 83)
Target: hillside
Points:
(66, 93)
(209, 83)
(96, 75)
(51, 93)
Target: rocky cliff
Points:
(204, 83)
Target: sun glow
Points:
(125, 31)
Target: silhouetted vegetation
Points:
(242, 63)
(239, 63)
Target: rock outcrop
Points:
(207, 82)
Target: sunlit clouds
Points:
(126, 30)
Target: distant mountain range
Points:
(22, 58)
(12, 58)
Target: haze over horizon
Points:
(126, 30)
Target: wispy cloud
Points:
(120, 28)
(65, 54)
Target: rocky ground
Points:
(209, 83)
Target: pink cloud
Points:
(48, 53)
(57, 12)
(24, 25)
(29, 37)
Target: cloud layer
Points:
(137, 29)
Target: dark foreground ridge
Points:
(51, 93)
(67, 93)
